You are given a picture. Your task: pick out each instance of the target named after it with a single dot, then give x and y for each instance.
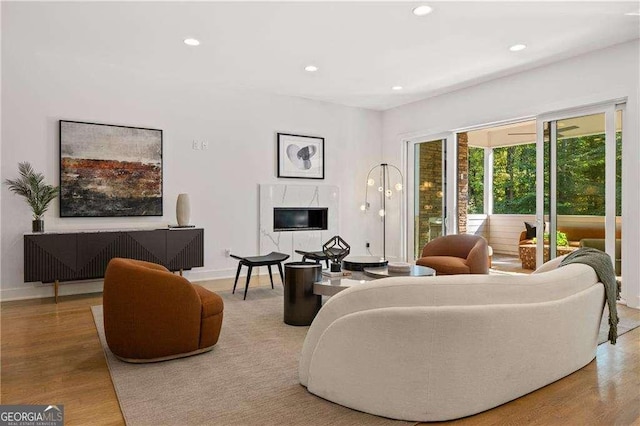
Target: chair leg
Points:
(246, 286)
(327, 262)
(281, 275)
(237, 275)
(270, 276)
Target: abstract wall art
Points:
(108, 170)
(300, 157)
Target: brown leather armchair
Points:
(456, 254)
(153, 315)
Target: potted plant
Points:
(38, 194)
(561, 239)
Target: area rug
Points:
(250, 377)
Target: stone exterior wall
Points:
(463, 181)
(431, 191)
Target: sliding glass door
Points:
(427, 192)
(579, 185)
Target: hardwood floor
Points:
(50, 354)
(508, 263)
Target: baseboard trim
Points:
(633, 302)
(41, 291)
(70, 288)
(211, 274)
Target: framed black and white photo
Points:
(300, 156)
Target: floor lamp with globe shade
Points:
(386, 191)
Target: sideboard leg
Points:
(55, 289)
(181, 272)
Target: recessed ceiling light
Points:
(518, 47)
(396, 88)
(311, 68)
(191, 42)
(422, 10)
(633, 13)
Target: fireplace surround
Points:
(309, 217)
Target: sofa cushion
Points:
(211, 322)
(445, 265)
(211, 302)
(531, 230)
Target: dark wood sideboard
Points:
(55, 257)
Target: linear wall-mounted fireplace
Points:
(279, 196)
(300, 218)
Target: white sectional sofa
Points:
(440, 348)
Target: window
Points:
(581, 169)
(514, 179)
(476, 180)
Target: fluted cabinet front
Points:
(85, 255)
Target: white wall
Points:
(599, 76)
(505, 229)
(39, 88)
(478, 224)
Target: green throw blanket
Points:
(601, 263)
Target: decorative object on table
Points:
(300, 156)
(386, 193)
(399, 267)
(37, 193)
(108, 170)
(183, 210)
(336, 249)
(342, 273)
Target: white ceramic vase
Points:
(183, 210)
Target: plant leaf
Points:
(31, 185)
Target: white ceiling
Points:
(361, 48)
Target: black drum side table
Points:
(300, 304)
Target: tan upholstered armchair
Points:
(153, 315)
(456, 254)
